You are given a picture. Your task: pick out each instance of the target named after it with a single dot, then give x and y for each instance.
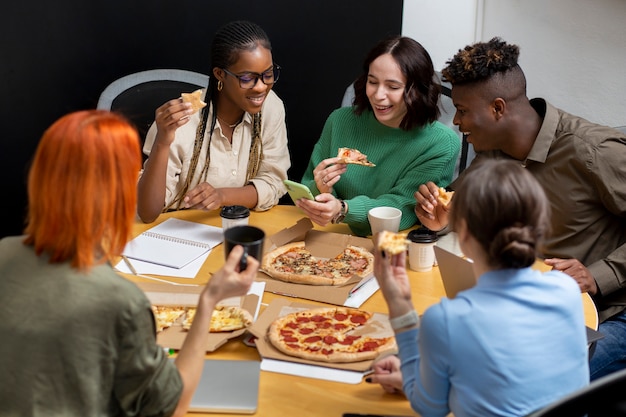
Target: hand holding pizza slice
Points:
(195, 99)
(444, 197)
(353, 156)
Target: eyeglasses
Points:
(248, 80)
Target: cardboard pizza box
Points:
(322, 245)
(379, 326)
(170, 295)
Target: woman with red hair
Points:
(81, 339)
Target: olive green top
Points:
(76, 344)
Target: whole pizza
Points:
(294, 263)
(327, 335)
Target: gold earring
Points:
(220, 85)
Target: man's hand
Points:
(429, 211)
(576, 270)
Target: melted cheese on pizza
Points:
(300, 261)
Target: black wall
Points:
(57, 56)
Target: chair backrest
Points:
(138, 95)
(603, 397)
(446, 110)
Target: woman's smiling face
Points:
(385, 90)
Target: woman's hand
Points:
(204, 197)
(169, 117)
(390, 272)
(322, 210)
(227, 282)
(327, 173)
(387, 373)
(429, 212)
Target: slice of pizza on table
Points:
(354, 156)
(223, 318)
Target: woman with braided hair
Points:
(233, 151)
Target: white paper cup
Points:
(421, 252)
(384, 218)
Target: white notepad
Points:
(174, 243)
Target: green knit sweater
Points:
(404, 160)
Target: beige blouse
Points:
(229, 162)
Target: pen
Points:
(129, 265)
(358, 286)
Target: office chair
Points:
(447, 111)
(138, 95)
(604, 397)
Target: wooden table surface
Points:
(286, 395)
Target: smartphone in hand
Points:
(297, 191)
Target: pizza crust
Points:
(328, 272)
(322, 335)
(195, 99)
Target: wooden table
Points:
(286, 395)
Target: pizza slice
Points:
(354, 156)
(444, 196)
(195, 99)
(223, 319)
(392, 243)
(166, 316)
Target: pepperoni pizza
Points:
(326, 335)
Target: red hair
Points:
(82, 188)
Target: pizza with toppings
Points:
(354, 156)
(223, 319)
(295, 263)
(166, 316)
(444, 196)
(392, 243)
(327, 335)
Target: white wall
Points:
(573, 52)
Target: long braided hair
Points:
(229, 41)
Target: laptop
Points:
(456, 272)
(227, 386)
(457, 275)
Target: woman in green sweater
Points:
(393, 121)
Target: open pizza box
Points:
(321, 245)
(169, 295)
(276, 361)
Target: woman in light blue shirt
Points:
(513, 343)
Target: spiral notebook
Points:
(174, 243)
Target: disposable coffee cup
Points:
(384, 218)
(421, 252)
(250, 238)
(234, 216)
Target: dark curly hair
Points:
(481, 61)
(421, 92)
(505, 210)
